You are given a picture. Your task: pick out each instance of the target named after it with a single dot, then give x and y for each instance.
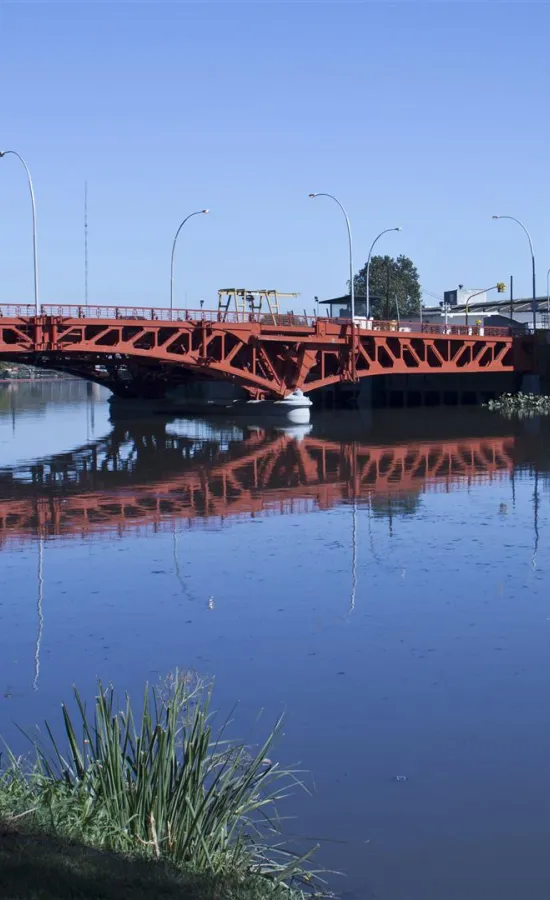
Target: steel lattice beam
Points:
(268, 360)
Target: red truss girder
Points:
(282, 476)
(268, 359)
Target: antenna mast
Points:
(86, 243)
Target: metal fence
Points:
(285, 320)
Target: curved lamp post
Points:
(521, 225)
(351, 285)
(33, 204)
(367, 289)
(199, 212)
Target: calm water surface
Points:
(384, 579)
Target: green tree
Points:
(390, 278)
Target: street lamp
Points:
(532, 265)
(33, 204)
(377, 238)
(351, 285)
(197, 213)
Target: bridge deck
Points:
(146, 350)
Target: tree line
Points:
(393, 285)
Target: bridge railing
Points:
(429, 327)
(16, 310)
(74, 311)
(145, 313)
(459, 330)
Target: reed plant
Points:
(163, 781)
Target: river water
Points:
(381, 578)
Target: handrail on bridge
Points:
(291, 320)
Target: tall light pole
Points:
(367, 289)
(199, 212)
(351, 285)
(521, 225)
(548, 298)
(33, 204)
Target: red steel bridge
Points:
(142, 352)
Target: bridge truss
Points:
(143, 352)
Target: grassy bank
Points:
(40, 866)
(157, 802)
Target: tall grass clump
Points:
(162, 782)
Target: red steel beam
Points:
(268, 360)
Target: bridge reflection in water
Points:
(148, 476)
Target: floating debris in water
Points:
(400, 777)
(521, 404)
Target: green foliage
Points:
(389, 277)
(521, 405)
(164, 785)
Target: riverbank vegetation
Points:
(23, 372)
(521, 404)
(159, 794)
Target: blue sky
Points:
(431, 116)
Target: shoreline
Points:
(40, 379)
